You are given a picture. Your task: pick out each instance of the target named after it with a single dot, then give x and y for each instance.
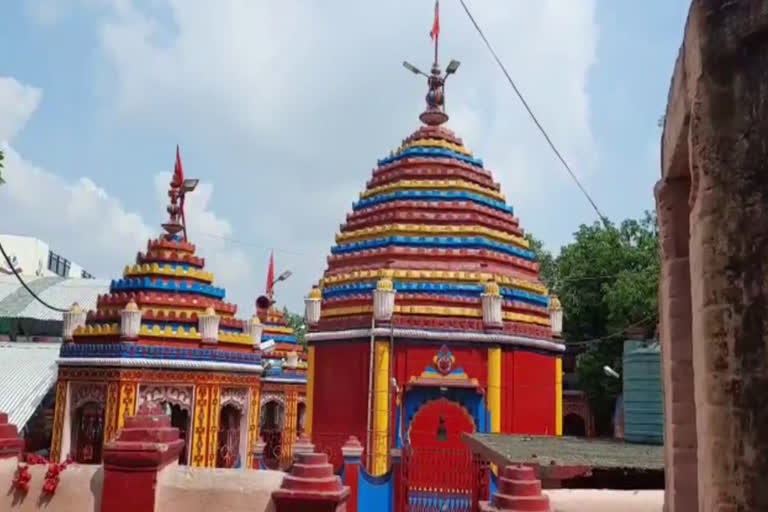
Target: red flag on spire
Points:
(178, 170)
(271, 274)
(435, 32)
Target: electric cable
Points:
(602, 217)
(24, 284)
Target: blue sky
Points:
(282, 109)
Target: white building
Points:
(33, 257)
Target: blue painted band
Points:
(432, 242)
(131, 350)
(459, 290)
(146, 283)
(432, 195)
(422, 152)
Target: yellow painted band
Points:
(310, 390)
(434, 275)
(423, 230)
(558, 396)
(494, 388)
(166, 270)
(431, 185)
(436, 311)
(167, 332)
(275, 329)
(434, 143)
(381, 409)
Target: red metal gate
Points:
(443, 480)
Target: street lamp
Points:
(452, 67)
(413, 69)
(190, 184)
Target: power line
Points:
(602, 217)
(24, 284)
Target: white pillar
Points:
(208, 324)
(73, 319)
(491, 298)
(130, 322)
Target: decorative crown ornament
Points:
(209, 326)
(130, 322)
(491, 300)
(312, 305)
(73, 319)
(384, 300)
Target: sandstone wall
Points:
(79, 489)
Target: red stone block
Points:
(519, 491)
(10, 443)
(311, 486)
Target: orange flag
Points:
(436, 24)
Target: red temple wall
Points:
(527, 393)
(340, 390)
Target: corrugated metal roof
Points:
(27, 372)
(16, 302)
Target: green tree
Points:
(547, 263)
(296, 322)
(1, 167)
(607, 280)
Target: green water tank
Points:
(643, 395)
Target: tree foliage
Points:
(296, 322)
(607, 280)
(1, 167)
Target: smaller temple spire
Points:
(179, 187)
(435, 114)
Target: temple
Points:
(162, 335)
(430, 319)
(284, 383)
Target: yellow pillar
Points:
(253, 424)
(111, 410)
(201, 424)
(310, 390)
(494, 388)
(58, 419)
(558, 396)
(289, 427)
(381, 408)
(127, 402)
(214, 416)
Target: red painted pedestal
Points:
(518, 490)
(146, 445)
(311, 487)
(11, 445)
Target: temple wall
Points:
(604, 500)
(528, 393)
(191, 490)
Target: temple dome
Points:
(170, 287)
(433, 220)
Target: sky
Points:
(282, 107)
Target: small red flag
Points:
(271, 274)
(435, 32)
(178, 171)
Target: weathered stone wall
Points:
(79, 489)
(186, 489)
(713, 197)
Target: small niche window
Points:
(442, 432)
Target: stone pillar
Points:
(311, 486)
(11, 445)
(352, 452)
(145, 446)
(381, 409)
(518, 490)
(676, 346)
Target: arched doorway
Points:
(180, 420)
(228, 455)
(88, 433)
(574, 425)
(436, 456)
(272, 417)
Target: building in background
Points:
(33, 257)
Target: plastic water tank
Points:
(643, 395)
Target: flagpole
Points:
(437, 32)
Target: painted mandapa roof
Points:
(27, 372)
(565, 451)
(16, 302)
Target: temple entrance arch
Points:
(88, 433)
(438, 465)
(271, 428)
(228, 454)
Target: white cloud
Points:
(311, 93)
(17, 103)
(86, 223)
